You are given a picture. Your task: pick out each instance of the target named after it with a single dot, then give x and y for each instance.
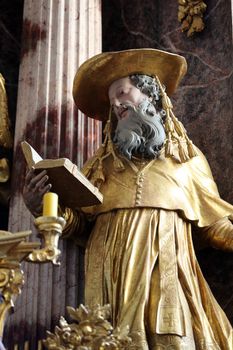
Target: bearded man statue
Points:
(156, 185)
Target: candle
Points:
(50, 204)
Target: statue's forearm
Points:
(76, 223)
(220, 234)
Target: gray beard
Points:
(141, 132)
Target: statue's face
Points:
(122, 92)
(139, 129)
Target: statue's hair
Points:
(150, 87)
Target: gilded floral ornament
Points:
(190, 14)
(91, 331)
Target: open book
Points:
(73, 188)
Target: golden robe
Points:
(140, 256)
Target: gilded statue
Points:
(157, 185)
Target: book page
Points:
(30, 154)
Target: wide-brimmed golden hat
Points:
(94, 77)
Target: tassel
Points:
(169, 149)
(179, 128)
(169, 125)
(118, 165)
(191, 150)
(87, 171)
(175, 131)
(182, 152)
(98, 177)
(166, 102)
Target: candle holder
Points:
(50, 228)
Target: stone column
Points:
(57, 37)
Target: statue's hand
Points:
(34, 188)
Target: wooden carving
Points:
(91, 330)
(13, 249)
(190, 14)
(5, 134)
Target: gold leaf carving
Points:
(5, 134)
(91, 331)
(13, 249)
(4, 170)
(190, 14)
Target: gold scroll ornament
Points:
(90, 331)
(50, 229)
(6, 140)
(13, 249)
(190, 14)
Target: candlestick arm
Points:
(50, 228)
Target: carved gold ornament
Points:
(13, 249)
(5, 134)
(50, 229)
(190, 14)
(6, 140)
(91, 331)
(4, 170)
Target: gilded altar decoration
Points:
(4, 170)
(50, 228)
(90, 331)
(5, 134)
(13, 249)
(190, 14)
(6, 142)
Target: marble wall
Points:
(203, 102)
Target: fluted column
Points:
(58, 35)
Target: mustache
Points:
(126, 106)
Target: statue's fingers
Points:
(29, 176)
(41, 182)
(45, 189)
(36, 179)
